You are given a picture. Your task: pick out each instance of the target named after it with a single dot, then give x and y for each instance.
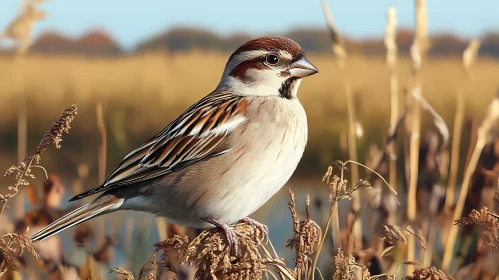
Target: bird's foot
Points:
(229, 232)
(264, 230)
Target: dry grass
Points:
(338, 187)
(23, 171)
(211, 254)
(13, 245)
(487, 224)
(485, 130)
(164, 90)
(429, 273)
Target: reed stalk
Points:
(19, 30)
(391, 61)
(102, 161)
(22, 143)
(341, 56)
(355, 239)
(482, 138)
(418, 51)
(469, 57)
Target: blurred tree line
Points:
(99, 43)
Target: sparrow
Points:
(224, 157)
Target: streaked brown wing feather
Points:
(199, 133)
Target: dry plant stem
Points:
(22, 142)
(456, 143)
(483, 131)
(391, 60)
(322, 235)
(334, 200)
(102, 157)
(469, 56)
(418, 51)
(413, 180)
(52, 137)
(162, 228)
(333, 214)
(356, 242)
(12, 245)
(103, 147)
(432, 236)
(341, 56)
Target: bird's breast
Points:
(265, 152)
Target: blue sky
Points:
(130, 21)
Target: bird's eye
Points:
(272, 59)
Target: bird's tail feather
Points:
(101, 205)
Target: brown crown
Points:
(273, 43)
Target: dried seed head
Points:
(470, 54)
(54, 134)
(13, 245)
(428, 273)
(23, 170)
(343, 266)
(127, 275)
(418, 234)
(393, 234)
(346, 266)
(212, 254)
(306, 238)
(488, 226)
(390, 37)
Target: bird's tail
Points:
(101, 205)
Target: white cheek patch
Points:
(264, 83)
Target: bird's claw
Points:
(264, 230)
(230, 234)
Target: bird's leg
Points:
(264, 230)
(230, 233)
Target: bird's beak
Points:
(302, 68)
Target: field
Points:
(141, 94)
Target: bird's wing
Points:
(199, 133)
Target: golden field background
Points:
(142, 93)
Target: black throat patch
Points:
(285, 91)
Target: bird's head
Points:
(266, 66)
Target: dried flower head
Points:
(338, 42)
(488, 225)
(54, 135)
(212, 254)
(393, 234)
(418, 234)
(345, 267)
(305, 239)
(127, 275)
(13, 245)
(428, 273)
(23, 170)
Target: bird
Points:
(221, 159)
